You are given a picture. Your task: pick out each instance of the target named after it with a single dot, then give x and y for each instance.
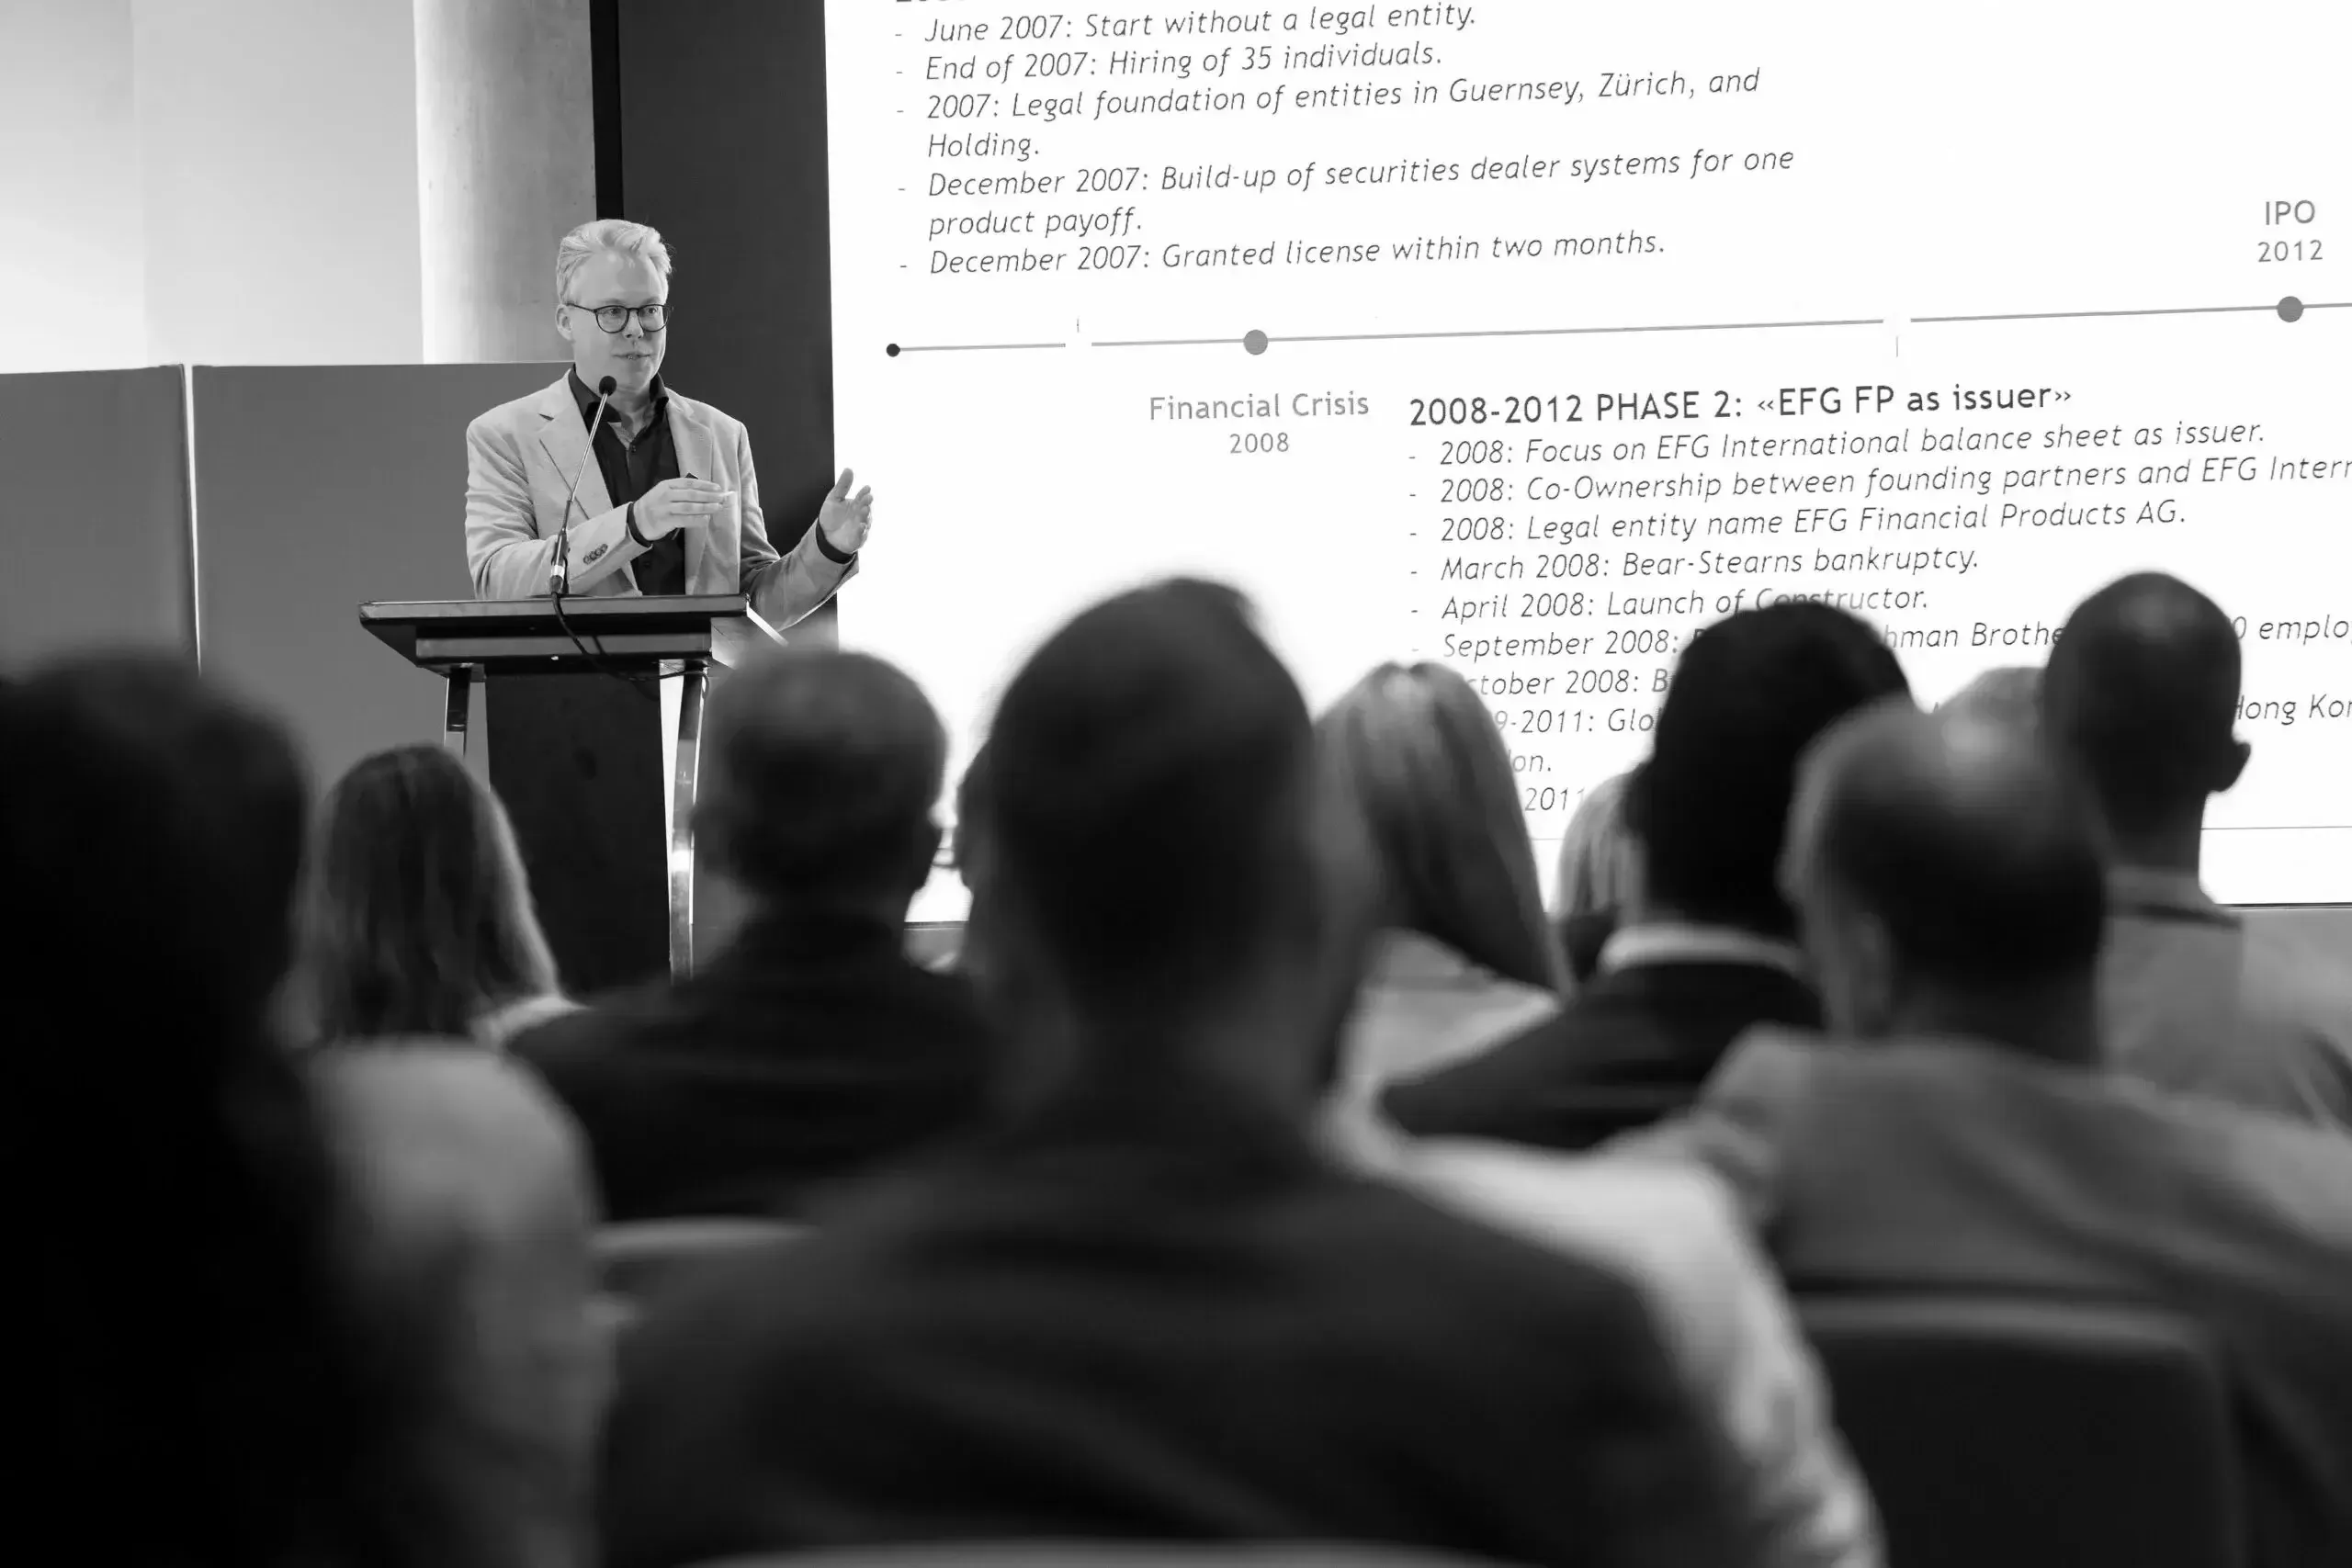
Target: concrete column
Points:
(506, 162)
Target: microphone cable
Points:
(561, 579)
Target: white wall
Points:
(72, 241)
(229, 182)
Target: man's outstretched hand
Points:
(847, 519)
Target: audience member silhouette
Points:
(2141, 698)
(813, 1047)
(417, 933)
(1710, 948)
(1464, 957)
(226, 1370)
(1963, 1137)
(1144, 1305)
(417, 916)
(1598, 877)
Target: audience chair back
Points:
(2033, 1434)
(639, 1260)
(1105, 1554)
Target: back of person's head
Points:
(2009, 695)
(2142, 697)
(1598, 878)
(820, 783)
(199, 1394)
(1711, 805)
(215, 795)
(1164, 883)
(1949, 872)
(1599, 869)
(417, 914)
(1418, 755)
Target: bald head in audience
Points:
(2141, 698)
(1948, 878)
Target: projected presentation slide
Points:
(1529, 336)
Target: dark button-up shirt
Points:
(632, 468)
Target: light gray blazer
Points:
(520, 457)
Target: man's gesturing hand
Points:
(679, 504)
(846, 518)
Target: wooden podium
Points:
(575, 711)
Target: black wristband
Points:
(629, 520)
(831, 554)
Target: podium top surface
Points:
(439, 633)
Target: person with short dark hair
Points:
(813, 1048)
(1145, 1306)
(417, 917)
(1710, 947)
(2141, 698)
(252, 1343)
(1959, 1134)
(1464, 957)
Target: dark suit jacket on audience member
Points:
(1956, 1167)
(1581, 939)
(1631, 1044)
(804, 1052)
(1159, 1316)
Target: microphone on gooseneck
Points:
(559, 575)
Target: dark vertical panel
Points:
(319, 487)
(723, 144)
(604, 90)
(577, 758)
(94, 516)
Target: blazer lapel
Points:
(563, 435)
(698, 460)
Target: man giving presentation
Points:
(663, 497)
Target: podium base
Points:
(578, 761)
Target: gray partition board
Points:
(94, 514)
(320, 488)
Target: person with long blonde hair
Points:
(1599, 875)
(1466, 957)
(417, 916)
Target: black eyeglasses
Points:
(614, 317)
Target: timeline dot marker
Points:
(2290, 309)
(1254, 340)
(892, 350)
